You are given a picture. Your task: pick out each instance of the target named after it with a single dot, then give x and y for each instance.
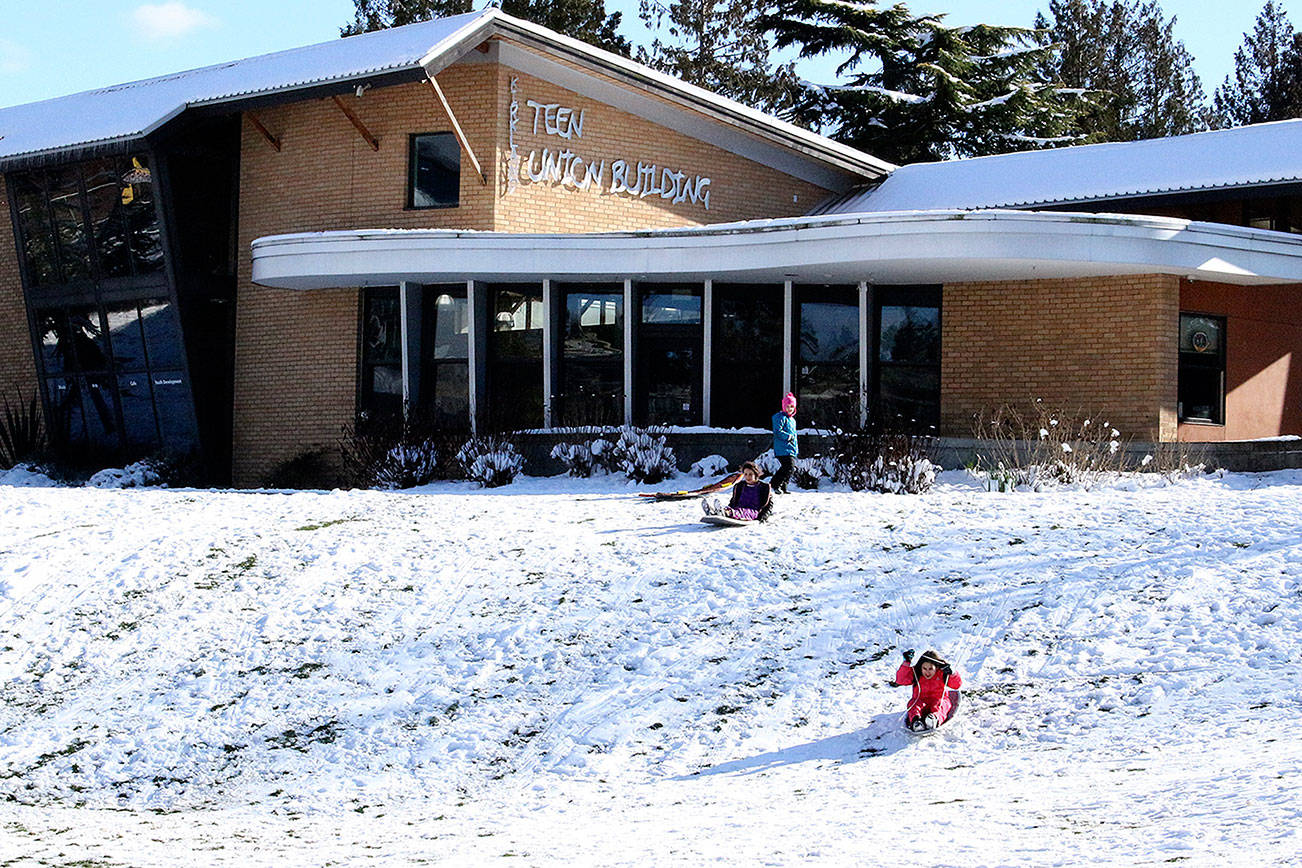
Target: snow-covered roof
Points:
(1243, 157)
(130, 111)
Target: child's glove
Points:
(908, 656)
(947, 670)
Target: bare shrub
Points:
(879, 457)
(392, 452)
(1044, 445)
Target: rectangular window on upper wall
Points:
(434, 171)
(1202, 369)
(104, 190)
(143, 232)
(69, 222)
(34, 224)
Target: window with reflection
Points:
(37, 244)
(908, 356)
(746, 381)
(107, 229)
(515, 356)
(590, 387)
(89, 221)
(381, 351)
(434, 171)
(445, 356)
(1201, 383)
(827, 356)
(669, 351)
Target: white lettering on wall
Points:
(567, 168)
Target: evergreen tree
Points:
(915, 90)
(1124, 51)
(718, 45)
(1265, 85)
(582, 19)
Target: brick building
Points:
(499, 227)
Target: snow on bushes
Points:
(768, 463)
(490, 461)
(578, 458)
(808, 473)
(142, 474)
(710, 466)
(407, 465)
(886, 461)
(643, 456)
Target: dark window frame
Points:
(370, 403)
(568, 408)
(845, 411)
(1202, 363)
(412, 169)
(906, 296)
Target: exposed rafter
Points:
(266, 133)
(456, 128)
(357, 123)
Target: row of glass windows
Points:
(89, 221)
(115, 378)
(588, 379)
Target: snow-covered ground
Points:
(558, 673)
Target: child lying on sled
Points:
(751, 498)
(935, 690)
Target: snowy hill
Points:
(562, 673)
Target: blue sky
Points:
(57, 47)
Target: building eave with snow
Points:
(485, 224)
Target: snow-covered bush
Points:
(141, 474)
(643, 456)
(884, 460)
(407, 465)
(710, 466)
(26, 476)
(490, 461)
(768, 463)
(810, 472)
(577, 457)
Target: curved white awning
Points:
(881, 248)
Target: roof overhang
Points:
(884, 248)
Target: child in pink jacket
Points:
(935, 690)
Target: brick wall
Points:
(296, 352)
(739, 188)
(17, 365)
(1101, 345)
(1263, 359)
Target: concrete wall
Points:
(17, 363)
(1263, 359)
(1098, 345)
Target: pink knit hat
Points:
(789, 402)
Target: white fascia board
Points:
(898, 248)
(786, 135)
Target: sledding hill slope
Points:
(521, 661)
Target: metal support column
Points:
(788, 336)
(630, 348)
(707, 354)
(865, 349)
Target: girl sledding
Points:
(935, 691)
(751, 500)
